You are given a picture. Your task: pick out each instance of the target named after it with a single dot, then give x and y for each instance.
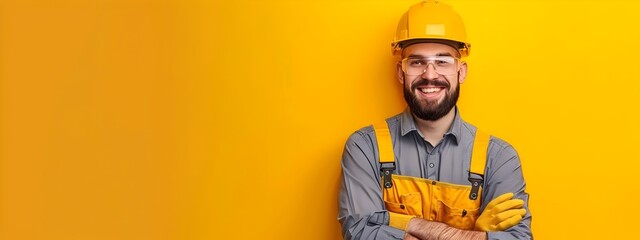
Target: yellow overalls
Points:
(406, 197)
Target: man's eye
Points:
(416, 62)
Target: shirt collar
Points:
(407, 124)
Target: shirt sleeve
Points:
(361, 209)
(504, 174)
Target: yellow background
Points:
(226, 119)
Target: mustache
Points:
(425, 82)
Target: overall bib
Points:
(406, 197)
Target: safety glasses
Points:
(443, 65)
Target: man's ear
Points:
(462, 74)
(400, 73)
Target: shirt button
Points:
(431, 165)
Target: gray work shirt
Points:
(362, 212)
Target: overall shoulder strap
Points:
(385, 151)
(478, 162)
(479, 152)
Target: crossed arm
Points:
(420, 229)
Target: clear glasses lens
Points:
(444, 65)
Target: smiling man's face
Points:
(431, 94)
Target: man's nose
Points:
(430, 72)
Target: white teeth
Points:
(429, 90)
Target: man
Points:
(425, 173)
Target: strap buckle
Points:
(387, 169)
(476, 182)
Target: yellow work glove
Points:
(399, 221)
(501, 213)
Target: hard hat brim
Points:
(462, 47)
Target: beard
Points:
(431, 110)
